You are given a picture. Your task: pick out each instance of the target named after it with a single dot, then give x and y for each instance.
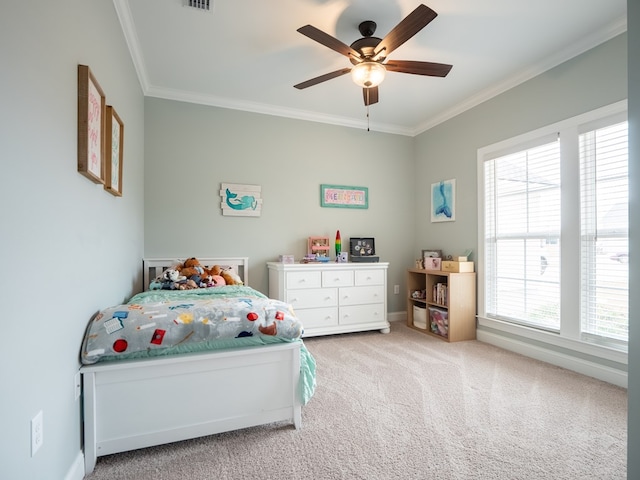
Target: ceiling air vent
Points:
(203, 5)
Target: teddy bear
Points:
(192, 269)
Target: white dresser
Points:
(333, 297)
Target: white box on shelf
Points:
(420, 317)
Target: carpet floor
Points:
(408, 406)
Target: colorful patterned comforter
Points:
(165, 322)
(168, 322)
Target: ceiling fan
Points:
(369, 54)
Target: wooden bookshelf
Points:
(458, 307)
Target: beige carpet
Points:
(408, 406)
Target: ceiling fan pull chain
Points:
(368, 119)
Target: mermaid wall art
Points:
(443, 201)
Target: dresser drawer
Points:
(362, 314)
(360, 295)
(370, 277)
(337, 278)
(303, 279)
(312, 298)
(318, 317)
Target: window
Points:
(522, 236)
(605, 232)
(554, 230)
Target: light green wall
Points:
(449, 150)
(84, 246)
(67, 246)
(192, 149)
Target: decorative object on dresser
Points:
(334, 297)
(446, 299)
(363, 249)
(318, 246)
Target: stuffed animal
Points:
(212, 281)
(231, 276)
(192, 269)
(228, 274)
(188, 284)
(172, 275)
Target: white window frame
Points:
(569, 336)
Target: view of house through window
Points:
(564, 189)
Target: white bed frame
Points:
(140, 403)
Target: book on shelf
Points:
(440, 294)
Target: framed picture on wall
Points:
(113, 152)
(91, 118)
(443, 201)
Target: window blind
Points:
(604, 233)
(522, 235)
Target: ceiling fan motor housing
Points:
(366, 45)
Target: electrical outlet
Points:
(396, 289)
(37, 433)
(77, 384)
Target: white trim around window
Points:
(566, 347)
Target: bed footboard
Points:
(141, 403)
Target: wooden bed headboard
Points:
(152, 267)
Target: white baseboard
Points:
(580, 365)
(76, 471)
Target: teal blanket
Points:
(168, 322)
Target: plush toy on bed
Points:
(228, 274)
(192, 270)
(209, 280)
(231, 276)
(170, 279)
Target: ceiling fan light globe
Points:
(368, 74)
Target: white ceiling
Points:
(247, 54)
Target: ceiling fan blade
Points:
(328, 41)
(322, 78)
(407, 28)
(418, 68)
(370, 95)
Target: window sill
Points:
(555, 341)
